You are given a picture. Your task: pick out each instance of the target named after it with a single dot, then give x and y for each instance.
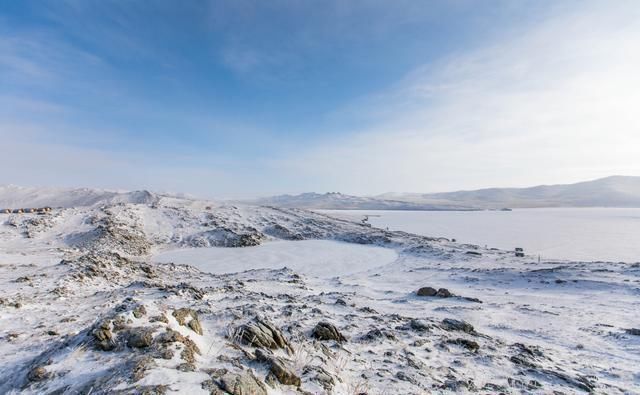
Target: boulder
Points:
(242, 384)
(189, 318)
(327, 331)
(427, 291)
(377, 334)
(278, 368)
(103, 337)
(457, 325)
(468, 344)
(140, 337)
(444, 293)
(262, 334)
(38, 374)
(419, 325)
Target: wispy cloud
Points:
(556, 102)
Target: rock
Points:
(242, 384)
(474, 253)
(327, 331)
(419, 325)
(404, 377)
(427, 291)
(103, 337)
(140, 337)
(262, 333)
(633, 331)
(139, 311)
(468, 344)
(341, 302)
(376, 334)
(321, 376)
(188, 317)
(278, 369)
(159, 318)
(38, 374)
(474, 300)
(457, 325)
(444, 293)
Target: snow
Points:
(55, 293)
(319, 258)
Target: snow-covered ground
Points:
(168, 295)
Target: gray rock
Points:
(633, 331)
(444, 293)
(457, 325)
(38, 374)
(377, 334)
(419, 325)
(278, 368)
(263, 334)
(427, 291)
(242, 384)
(327, 331)
(140, 337)
(103, 337)
(189, 318)
(468, 344)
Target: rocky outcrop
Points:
(263, 334)
(457, 325)
(242, 384)
(326, 331)
(278, 369)
(189, 318)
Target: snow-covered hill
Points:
(148, 297)
(339, 201)
(24, 197)
(615, 191)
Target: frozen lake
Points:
(589, 234)
(320, 258)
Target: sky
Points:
(245, 98)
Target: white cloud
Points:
(555, 103)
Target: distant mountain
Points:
(23, 197)
(614, 191)
(339, 201)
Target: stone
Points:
(140, 337)
(457, 325)
(139, 311)
(444, 293)
(427, 291)
(38, 374)
(103, 337)
(326, 331)
(262, 334)
(419, 325)
(633, 331)
(189, 318)
(242, 384)
(376, 334)
(468, 344)
(278, 368)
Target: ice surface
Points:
(589, 234)
(320, 258)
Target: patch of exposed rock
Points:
(326, 331)
(263, 334)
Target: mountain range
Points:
(614, 191)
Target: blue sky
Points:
(240, 98)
